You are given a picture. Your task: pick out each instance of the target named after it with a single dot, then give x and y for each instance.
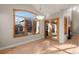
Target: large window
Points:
(25, 23)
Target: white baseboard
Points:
(17, 44)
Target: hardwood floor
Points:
(43, 47)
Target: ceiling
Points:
(51, 8)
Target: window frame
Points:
(14, 12)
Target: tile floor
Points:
(42, 47)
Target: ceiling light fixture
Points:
(40, 17)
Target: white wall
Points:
(61, 30)
(0, 32)
(6, 27)
(75, 24)
(68, 13)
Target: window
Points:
(25, 23)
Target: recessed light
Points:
(74, 8)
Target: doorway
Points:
(54, 33)
(46, 22)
